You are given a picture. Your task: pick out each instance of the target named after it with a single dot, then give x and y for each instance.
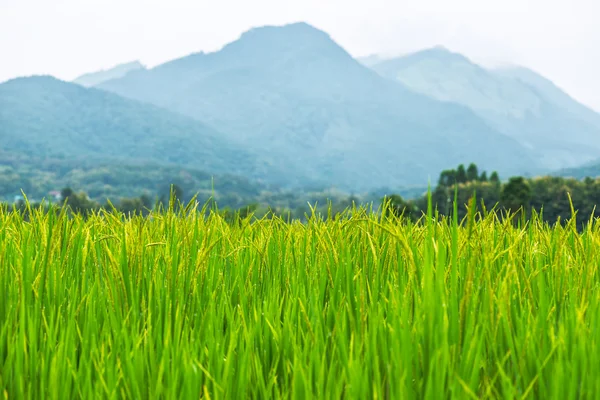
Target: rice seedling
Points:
(184, 305)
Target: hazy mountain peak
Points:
(550, 91)
(440, 53)
(437, 49)
(36, 83)
(32, 78)
(296, 29)
(514, 100)
(287, 38)
(118, 71)
(298, 100)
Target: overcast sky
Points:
(65, 38)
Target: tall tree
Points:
(494, 178)
(66, 193)
(461, 174)
(447, 177)
(472, 173)
(516, 194)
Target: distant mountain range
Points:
(119, 71)
(559, 131)
(288, 106)
(300, 101)
(43, 117)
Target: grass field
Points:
(183, 306)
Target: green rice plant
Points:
(183, 304)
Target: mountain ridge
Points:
(296, 96)
(42, 116)
(118, 71)
(524, 106)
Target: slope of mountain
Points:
(551, 93)
(590, 169)
(42, 117)
(119, 71)
(292, 95)
(371, 60)
(516, 102)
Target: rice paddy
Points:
(184, 305)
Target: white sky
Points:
(65, 38)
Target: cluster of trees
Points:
(113, 180)
(451, 177)
(124, 183)
(552, 196)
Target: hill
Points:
(516, 102)
(42, 117)
(306, 107)
(590, 169)
(551, 93)
(95, 78)
(370, 60)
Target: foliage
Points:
(365, 306)
(554, 197)
(515, 194)
(139, 187)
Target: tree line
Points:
(553, 197)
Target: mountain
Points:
(301, 103)
(371, 60)
(551, 92)
(590, 169)
(119, 71)
(516, 102)
(42, 117)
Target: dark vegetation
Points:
(553, 197)
(141, 189)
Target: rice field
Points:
(183, 305)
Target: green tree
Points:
(472, 173)
(447, 178)
(133, 206)
(66, 193)
(483, 177)
(494, 178)
(516, 194)
(78, 203)
(146, 201)
(461, 174)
